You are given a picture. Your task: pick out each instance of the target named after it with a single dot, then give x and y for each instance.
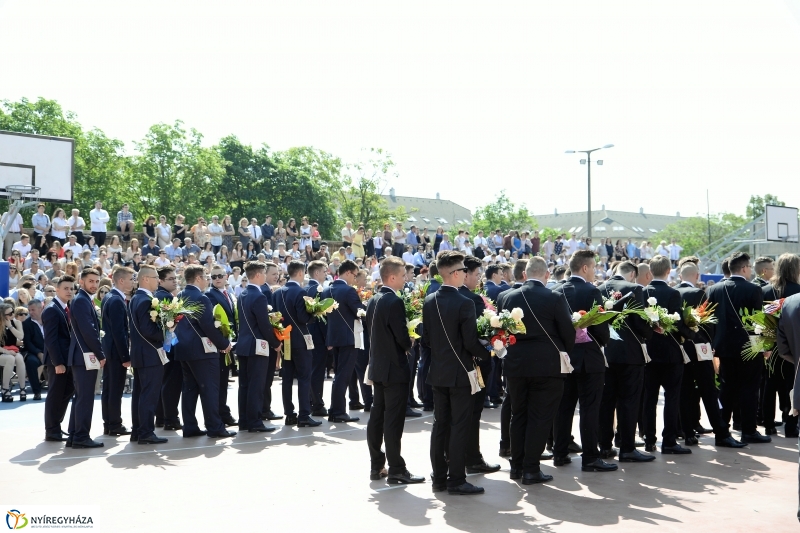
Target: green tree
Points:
(360, 195)
(757, 205)
(692, 232)
(503, 214)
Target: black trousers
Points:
(622, 392)
(534, 403)
(224, 410)
(505, 420)
(739, 389)
(144, 400)
(345, 367)
(780, 382)
(60, 389)
(319, 356)
(299, 368)
(474, 456)
(252, 375)
(99, 237)
(362, 360)
(657, 375)
(171, 387)
(268, 380)
(698, 377)
(80, 416)
(200, 380)
(32, 364)
(111, 399)
(586, 388)
(452, 410)
(386, 421)
(79, 237)
(426, 394)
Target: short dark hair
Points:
(165, 271)
(761, 262)
(316, 266)
(519, 268)
(251, 268)
(559, 271)
(726, 269)
(738, 261)
(448, 259)
(472, 263)
(348, 266)
(192, 272)
(86, 272)
(433, 270)
(580, 259)
(65, 279)
(294, 268)
(491, 270)
(392, 266)
(626, 267)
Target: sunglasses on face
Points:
(9, 315)
(217, 276)
(464, 270)
(22, 314)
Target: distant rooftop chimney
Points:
(603, 207)
(391, 193)
(678, 214)
(556, 212)
(437, 196)
(641, 210)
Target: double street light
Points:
(588, 163)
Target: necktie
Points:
(227, 297)
(66, 310)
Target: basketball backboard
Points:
(38, 160)
(782, 223)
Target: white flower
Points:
(495, 322)
(652, 301)
(361, 313)
(153, 315)
(488, 313)
(759, 330)
(609, 304)
(154, 303)
(171, 324)
(102, 333)
(175, 300)
(498, 345)
(676, 316)
(217, 323)
(576, 316)
(407, 290)
(319, 288)
(269, 307)
(517, 314)
(651, 314)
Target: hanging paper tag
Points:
(646, 355)
(358, 333)
(208, 346)
(685, 355)
(367, 381)
(473, 382)
(162, 354)
(309, 342)
(704, 352)
(480, 377)
(262, 348)
(566, 366)
(91, 361)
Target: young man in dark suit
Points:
(85, 328)
(494, 278)
(57, 338)
(739, 379)
(297, 363)
(147, 339)
(252, 306)
(273, 276)
(219, 295)
(585, 383)
(115, 316)
(200, 367)
(425, 351)
(316, 275)
(388, 369)
(34, 344)
(449, 321)
(172, 384)
(788, 343)
(475, 461)
(666, 366)
(624, 378)
(341, 338)
(533, 368)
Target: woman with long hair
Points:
(437, 239)
(115, 245)
(58, 249)
(237, 256)
(250, 253)
(11, 336)
(227, 232)
(179, 229)
(358, 242)
(244, 232)
(786, 280)
(207, 251)
(91, 246)
(291, 233)
(150, 226)
(222, 257)
(58, 231)
(69, 256)
(132, 249)
(305, 234)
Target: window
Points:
(599, 228)
(578, 229)
(653, 230)
(571, 230)
(618, 228)
(427, 220)
(411, 219)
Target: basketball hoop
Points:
(18, 192)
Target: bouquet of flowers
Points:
(412, 301)
(488, 303)
(764, 328)
(168, 313)
(412, 328)
(320, 308)
(497, 330)
(660, 319)
(364, 294)
(276, 320)
(697, 317)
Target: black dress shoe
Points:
(224, 434)
(792, 434)
(755, 438)
(410, 413)
(269, 415)
(651, 448)
(173, 427)
(546, 456)
(291, 420)
(427, 408)
(117, 432)
(406, 478)
(134, 438)
(608, 454)
(675, 450)
(69, 443)
(538, 477)
(198, 433)
(599, 466)
(152, 440)
(356, 406)
(88, 443)
(321, 411)
(229, 421)
(691, 441)
(729, 442)
(308, 423)
(376, 475)
(770, 431)
(504, 452)
(515, 473)
(343, 418)
(414, 404)
(561, 461)
(482, 468)
(439, 487)
(700, 430)
(466, 489)
(262, 429)
(368, 408)
(488, 404)
(37, 396)
(635, 457)
(54, 437)
(574, 447)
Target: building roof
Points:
(430, 212)
(611, 224)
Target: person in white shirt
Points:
(76, 226)
(647, 250)
(348, 232)
(498, 241)
(23, 245)
(235, 279)
(98, 218)
(662, 249)
(74, 246)
(162, 259)
(59, 230)
(547, 247)
(572, 246)
(255, 233)
(163, 233)
(480, 241)
(14, 232)
(399, 240)
(408, 257)
(675, 250)
(215, 230)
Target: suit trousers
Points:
(299, 368)
(534, 403)
(80, 416)
(252, 375)
(657, 375)
(171, 387)
(588, 389)
(60, 389)
(32, 365)
(505, 420)
(622, 392)
(495, 382)
(452, 412)
(698, 376)
(739, 381)
(362, 360)
(144, 400)
(224, 410)
(386, 421)
(319, 357)
(345, 366)
(201, 380)
(425, 390)
(780, 382)
(111, 399)
(474, 456)
(268, 380)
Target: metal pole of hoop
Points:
(16, 202)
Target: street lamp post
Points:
(588, 163)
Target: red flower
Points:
(512, 340)
(581, 313)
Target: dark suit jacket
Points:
(340, 322)
(385, 324)
(252, 306)
(34, 340)
(146, 335)
(289, 301)
(770, 295)
(115, 327)
(733, 295)
(760, 282)
(452, 336)
(57, 337)
(85, 329)
(788, 342)
(693, 297)
(635, 329)
(190, 330)
(534, 354)
(493, 290)
(319, 330)
(433, 286)
(666, 348)
(163, 294)
(480, 307)
(582, 296)
(218, 297)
